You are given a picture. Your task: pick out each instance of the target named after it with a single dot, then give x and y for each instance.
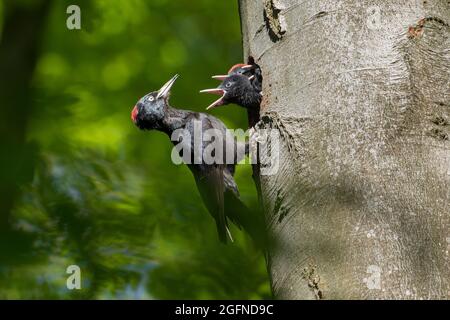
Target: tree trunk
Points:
(359, 91)
(19, 47)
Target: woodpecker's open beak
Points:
(165, 89)
(218, 102)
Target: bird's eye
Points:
(151, 98)
(228, 84)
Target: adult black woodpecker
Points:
(215, 181)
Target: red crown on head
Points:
(134, 114)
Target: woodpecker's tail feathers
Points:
(222, 232)
(252, 221)
(229, 234)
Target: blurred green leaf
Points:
(106, 196)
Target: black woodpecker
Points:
(215, 181)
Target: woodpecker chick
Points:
(251, 70)
(240, 68)
(214, 181)
(237, 89)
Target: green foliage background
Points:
(104, 195)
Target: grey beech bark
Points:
(359, 90)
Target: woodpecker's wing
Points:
(229, 182)
(210, 183)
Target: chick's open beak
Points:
(247, 66)
(242, 66)
(219, 101)
(220, 78)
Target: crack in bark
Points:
(417, 30)
(275, 23)
(309, 274)
(421, 41)
(319, 15)
(279, 209)
(273, 120)
(439, 134)
(440, 121)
